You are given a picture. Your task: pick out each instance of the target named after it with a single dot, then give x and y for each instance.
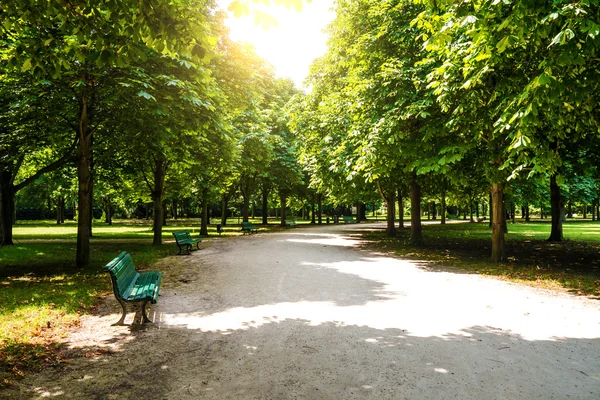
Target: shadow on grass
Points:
(42, 293)
(571, 265)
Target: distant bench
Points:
(289, 223)
(185, 240)
(247, 227)
(349, 219)
(130, 286)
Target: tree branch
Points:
(49, 168)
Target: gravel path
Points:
(304, 314)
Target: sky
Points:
(294, 44)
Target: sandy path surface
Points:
(304, 314)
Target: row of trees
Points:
(421, 97)
(432, 101)
(120, 95)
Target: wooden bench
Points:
(349, 219)
(247, 227)
(289, 223)
(130, 286)
(184, 239)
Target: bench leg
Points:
(198, 245)
(122, 320)
(189, 248)
(144, 314)
(180, 248)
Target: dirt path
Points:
(303, 314)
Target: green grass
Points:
(42, 294)
(572, 265)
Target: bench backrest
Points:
(182, 235)
(348, 218)
(122, 273)
(247, 225)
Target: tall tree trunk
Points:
(471, 211)
(497, 207)
(84, 158)
(594, 210)
(443, 208)
(108, 210)
(283, 200)
(245, 189)
(164, 217)
(62, 209)
(400, 209)
(174, 209)
(527, 219)
(433, 210)
(313, 219)
(7, 196)
(416, 235)
(491, 202)
(204, 218)
(358, 212)
(556, 234)
(265, 204)
(160, 171)
(224, 205)
(320, 208)
(390, 202)
(58, 210)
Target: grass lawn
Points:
(573, 265)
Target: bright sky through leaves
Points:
(294, 44)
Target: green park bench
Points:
(130, 286)
(349, 219)
(185, 240)
(247, 227)
(289, 223)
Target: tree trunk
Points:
(556, 234)
(265, 204)
(358, 210)
(283, 200)
(491, 202)
(593, 210)
(164, 217)
(58, 210)
(160, 171)
(62, 209)
(313, 219)
(513, 211)
(400, 209)
(391, 220)
(471, 211)
(527, 219)
(443, 208)
(108, 210)
(7, 196)
(497, 216)
(223, 210)
(320, 208)
(245, 207)
(433, 210)
(174, 209)
(204, 218)
(416, 235)
(84, 155)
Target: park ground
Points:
(321, 313)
